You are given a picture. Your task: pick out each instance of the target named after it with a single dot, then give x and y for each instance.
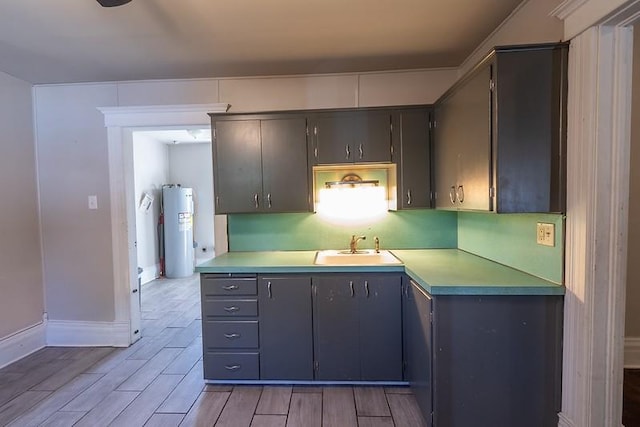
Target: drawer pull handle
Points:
(230, 287)
(231, 309)
(232, 336)
(351, 287)
(231, 367)
(366, 287)
(269, 289)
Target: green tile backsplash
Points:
(413, 229)
(510, 239)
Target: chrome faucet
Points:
(376, 243)
(353, 244)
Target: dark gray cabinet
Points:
(286, 338)
(351, 137)
(357, 327)
(260, 164)
(500, 138)
(412, 131)
(418, 345)
(230, 339)
(479, 360)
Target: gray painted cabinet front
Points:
(351, 137)
(286, 343)
(260, 164)
(357, 327)
(415, 158)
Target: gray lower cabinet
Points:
(230, 327)
(286, 339)
(357, 327)
(491, 361)
(418, 345)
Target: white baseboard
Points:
(65, 333)
(149, 273)
(632, 352)
(22, 344)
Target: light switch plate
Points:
(546, 234)
(93, 202)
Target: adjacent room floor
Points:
(158, 381)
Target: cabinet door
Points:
(352, 136)
(286, 345)
(237, 166)
(285, 179)
(334, 139)
(380, 315)
(415, 174)
(335, 317)
(420, 347)
(447, 138)
(372, 137)
(474, 120)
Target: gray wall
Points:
(73, 164)
(632, 324)
(151, 172)
(22, 301)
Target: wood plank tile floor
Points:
(158, 382)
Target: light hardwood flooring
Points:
(158, 382)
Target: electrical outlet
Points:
(93, 202)
(546, 234)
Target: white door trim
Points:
(120, 122)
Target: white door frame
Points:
(120, 123)
(598, 141)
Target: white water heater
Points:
(177, 205)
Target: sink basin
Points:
(361, 257)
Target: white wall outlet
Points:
(546, 234)
(93, 202)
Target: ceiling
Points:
(177, 136)
(63, 41)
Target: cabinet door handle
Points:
(347, 152)
(269, 200)
(452, 194)
(408, 197)
(269, 290)
(255, 200)
(351, 287)
(231, 367)
(232, 336)
(366, 288)
(230, 287)
(460, 194)
(231, 309)
(360, 151)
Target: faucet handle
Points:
(376, 242)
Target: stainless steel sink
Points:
(361, 257)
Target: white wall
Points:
(529, 23)
(190, 165)
(22, 301)
(151, 172)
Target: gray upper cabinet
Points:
(286, 343)
(351, 137)
(260, 164)
(357, 327)
(414, 159)
(500, 138)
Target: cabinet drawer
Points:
(230, 307)
(229, 286)
(231, 334)
(231, 366)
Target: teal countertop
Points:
(438, 271)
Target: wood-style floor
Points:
(158, 382)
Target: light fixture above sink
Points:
(361, 257)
